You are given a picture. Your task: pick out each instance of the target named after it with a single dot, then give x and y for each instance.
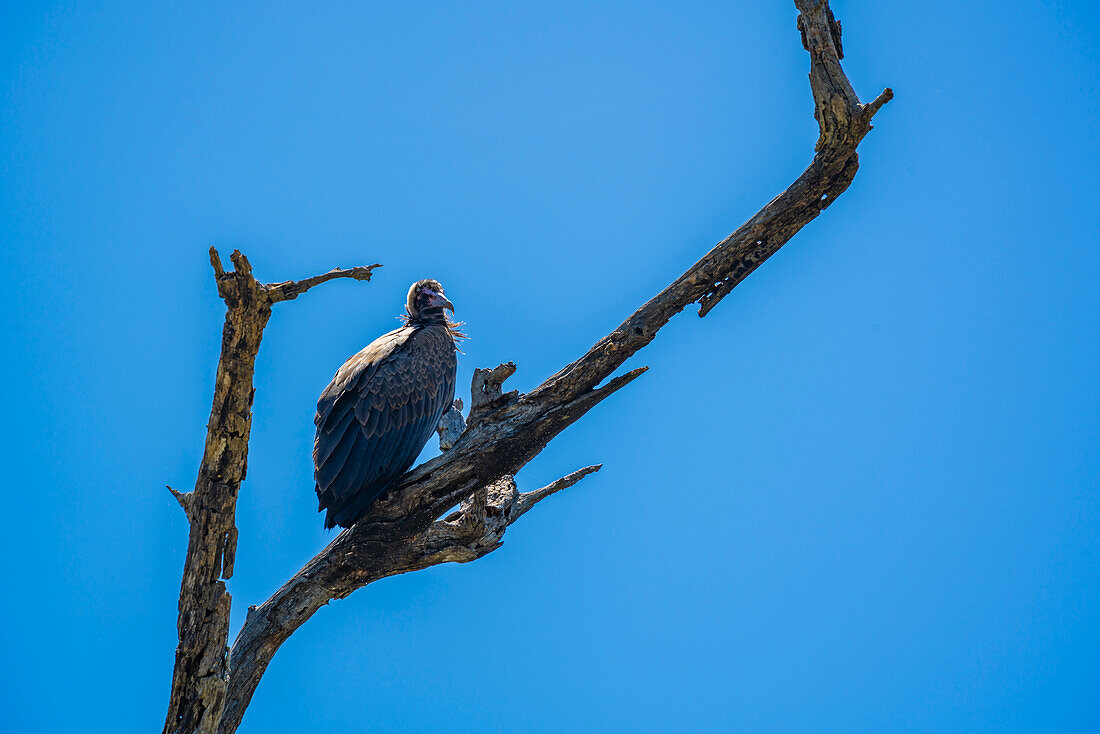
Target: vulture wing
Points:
(376, 415)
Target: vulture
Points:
(383, 405)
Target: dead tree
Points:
(404, 531)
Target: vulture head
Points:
(426, 303)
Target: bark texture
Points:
(504, 430)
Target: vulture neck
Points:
(428, 317)
(434, 317)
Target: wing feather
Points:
(322, 450)
(375, 417)
(330, 466)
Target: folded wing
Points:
(377, 414)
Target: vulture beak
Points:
(438, 300)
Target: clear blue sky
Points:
(861, 495)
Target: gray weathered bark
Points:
(403, 531)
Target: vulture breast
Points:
(377, 414)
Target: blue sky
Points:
(861, 495)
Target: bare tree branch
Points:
(200, 676)
(291, 289)
(527, 500)
(869, 110)
(402, 533)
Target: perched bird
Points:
(383, 406)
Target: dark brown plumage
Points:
(382, 407)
